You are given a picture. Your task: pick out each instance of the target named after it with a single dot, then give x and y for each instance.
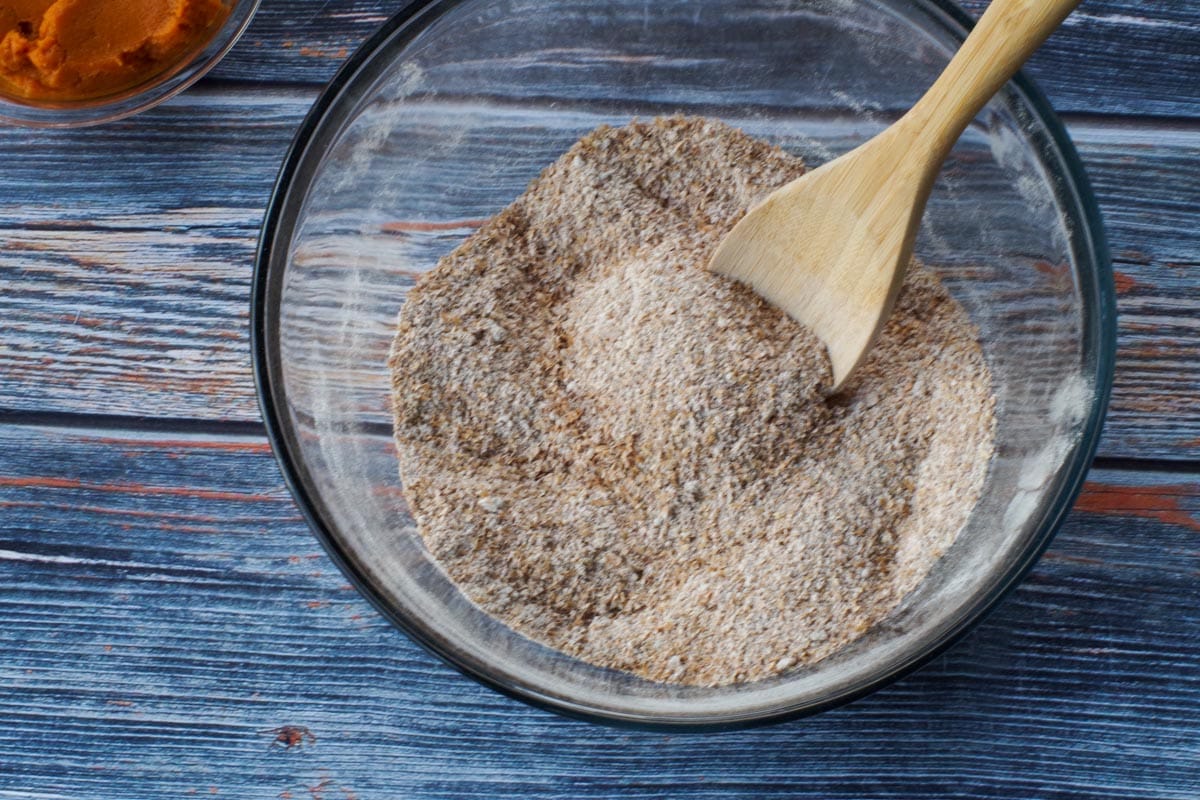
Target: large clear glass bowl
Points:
(445, 116)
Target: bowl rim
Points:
(1098, 326)
(141, 97)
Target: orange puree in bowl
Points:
(77, 49)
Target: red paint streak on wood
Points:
(1159, 503)
(28, 245)
(214, 520)
(314, 604)
(187, 444)
(1156, 404)
(1124, 282)
(87, 322)
(1164, 349)
(319, 791)
(1134, 256)
(317, 52)
(211, 519)
(34, 482)
(1053, 270)
(121, 703)
(427, 227)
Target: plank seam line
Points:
(210, 88)
(247, 428)
(118, 422)
(1136, 464)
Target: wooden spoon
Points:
(831, 248)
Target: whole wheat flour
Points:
(630, 459)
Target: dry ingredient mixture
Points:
(80, 49)
(630, 459)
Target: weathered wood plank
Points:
(143, 233)
(126, 251)
(1121, 57)
(169, 626)
(1156, 259)
(1135, 56)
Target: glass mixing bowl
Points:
(445, 116)
(161, 86)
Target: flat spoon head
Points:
(831, 247)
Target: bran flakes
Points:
(630, 459)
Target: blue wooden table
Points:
(169, 626)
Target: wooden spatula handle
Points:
(1005, 36)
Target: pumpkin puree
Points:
(79, 49)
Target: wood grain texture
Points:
(169, 626)
(126, 253)
(1121, 57)
(1156, 258)
(142, 233)
(1133, 57)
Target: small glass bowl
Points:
(444, 117)
(135, 99)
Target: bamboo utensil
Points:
(831, 248)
